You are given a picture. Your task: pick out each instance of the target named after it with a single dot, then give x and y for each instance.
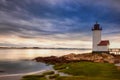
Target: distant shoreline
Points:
(45, 48)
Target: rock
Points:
(1, 71)
(117, 58)
(103, 57)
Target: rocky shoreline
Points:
(102, 58)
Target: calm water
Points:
(18, 67)
(18, 54)
(12, 60)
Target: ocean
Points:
(18, 61)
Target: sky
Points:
(58, 23)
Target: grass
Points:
(89, 71)
(53, 76)
(34, 77)
(84, 78)
(40, 77)
(80, 71)
(59, 66)
(48, 73)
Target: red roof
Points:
(104, 43)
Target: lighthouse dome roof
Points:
(96, 27)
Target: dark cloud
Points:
(51, 18)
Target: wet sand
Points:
(19, 76)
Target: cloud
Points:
(57, 20)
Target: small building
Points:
(99, 45)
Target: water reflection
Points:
(18, 54)
(15, 67)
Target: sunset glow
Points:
(58, 23)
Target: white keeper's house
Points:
(99, 46)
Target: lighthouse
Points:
(99, 45)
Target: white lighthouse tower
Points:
(98, 44)
(96, 36)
